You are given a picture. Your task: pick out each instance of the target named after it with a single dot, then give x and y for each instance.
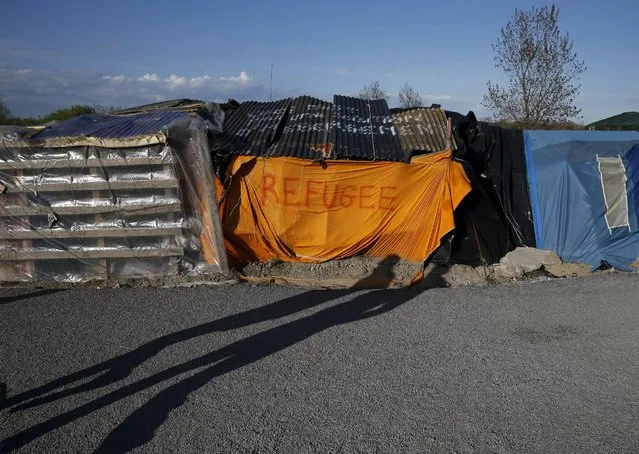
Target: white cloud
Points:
(175, 81)
(199, 81)
(149, 78)
(242, 78)
(341, 72)
(119, 78)
(23, 71)
(438, 97)
(39, 92)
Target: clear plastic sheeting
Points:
(80, 213)
(189, 137)
(78, 155)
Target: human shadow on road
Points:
(139, 428)
(26, 295)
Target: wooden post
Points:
(103, 272)
(27, 267)
(172, 262)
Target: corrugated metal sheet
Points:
(306, 133)
(187, 105)
(111, 126)
(364, 130)
(252, 128)
(422, 130)
(309, 128)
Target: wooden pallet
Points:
(29, 250)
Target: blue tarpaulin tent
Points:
(584, 190)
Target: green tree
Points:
(5, 114)
(67, 113)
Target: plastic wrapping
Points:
(84, 212)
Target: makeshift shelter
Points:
(312, 181)
(627, 121)
(103, 196)
(584, 191)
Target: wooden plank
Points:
(37, 254)
(28, 268)
(103, 269)
(170, 217)
(124, 210)
(95, 186)
(82, 163)
(89, 233)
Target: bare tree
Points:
(542, 69)
(4, 112)
(373, 91)
(409, 97)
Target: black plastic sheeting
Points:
(496, 217)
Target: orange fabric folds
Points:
(295, 210)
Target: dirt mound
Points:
(362, 272)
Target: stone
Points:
(504, 273)
(569, 269)
(523, 260)
(530, 259)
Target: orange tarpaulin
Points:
(296, 210)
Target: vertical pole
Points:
(270, 95)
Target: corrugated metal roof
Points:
(252, 128)
(422, 130)
(364, 130)
(188, 105)
(111, 126)
(309, 128)
(306, 133)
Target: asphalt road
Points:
(545, 367)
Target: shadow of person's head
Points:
(383, 276)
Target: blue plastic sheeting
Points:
(567, 195)
(632, 171)
(112, 126)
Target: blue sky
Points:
(53, 54)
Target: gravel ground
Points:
(545, 367)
